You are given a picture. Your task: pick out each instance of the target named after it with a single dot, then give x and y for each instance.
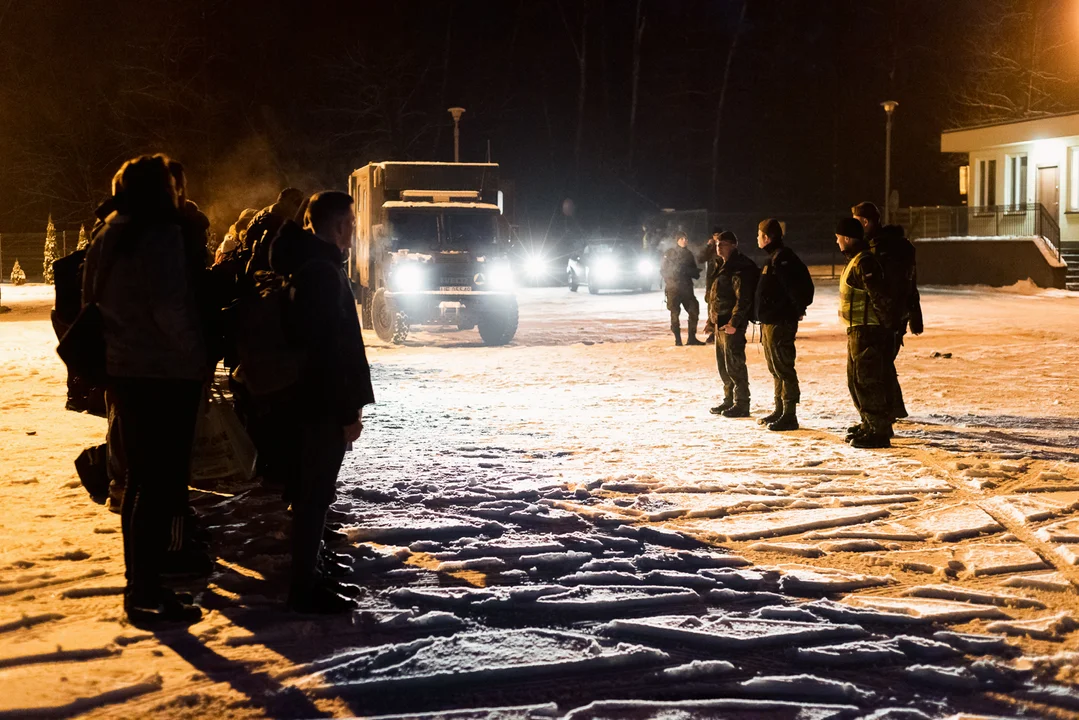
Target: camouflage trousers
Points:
(870, 373)
(731, 361)
(780, 354)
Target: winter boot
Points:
(737, 411)
(693, 336)
(711, 339)
(159, 606)
(319, 599)
(727, 404)
(787, 421)
(678, 337)
(774, 415)
(854, 431)
(871, 440)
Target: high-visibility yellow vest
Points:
(854, 305)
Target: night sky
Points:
(254, 95)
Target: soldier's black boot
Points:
(727, 404)
(711, 339)
(678, 337)
(774, 415)
(878, 439)
(693, 335)
(740, 410)
(854, 431)
(787, 421)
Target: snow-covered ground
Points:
(561, 527)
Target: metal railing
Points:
(1031, 219)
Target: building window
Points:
(1015, 181)
(986, 187)
(1073, 179)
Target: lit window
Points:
(1015, 180)
(1073, 179)
(964, 173)
(986, 185)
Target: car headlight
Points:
(606, 269)
(408, 277)
(536, 266)
(645, 267)
(500, 276)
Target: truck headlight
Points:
(645, 267)
(408, 277)
(500, 276)
(536, 266)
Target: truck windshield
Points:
(428, 231)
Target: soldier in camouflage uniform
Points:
(731, 307)
(865, 307)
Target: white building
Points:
(1022, 193)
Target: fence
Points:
(1027, 220)
(810, 234)
(29, 250)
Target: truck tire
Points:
(593, 289)
(364, 296)
(383, 316)
(499, 327)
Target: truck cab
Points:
(429, 250)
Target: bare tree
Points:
(580, 50)
(719, 105)
(638, 37)
(1017, 58)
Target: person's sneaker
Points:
(160, 607)
(871, 441)
(319, 600)
(330, 536)
(187, 564)
(736, 411)
(722, 407)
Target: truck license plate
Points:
(455, 288)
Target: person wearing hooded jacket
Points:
(730, 310)
(779, 309)
(136, 271)
(866, 309)
(334, 384)
(897, 259)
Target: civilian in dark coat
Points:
(334, 387)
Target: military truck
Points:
(430, 249)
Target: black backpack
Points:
(802, 282)
(269, 359)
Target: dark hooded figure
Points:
(334, 384)
(136, 271)
(865, 307)
(896, 256)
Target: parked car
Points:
(612, 265)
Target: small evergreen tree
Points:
(84, 239)
(18, 277)
(50, 253)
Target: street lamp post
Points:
(457, 112)
(889, 108)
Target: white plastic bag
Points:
(223, 451)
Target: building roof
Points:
(1009, 133)
(415, 204)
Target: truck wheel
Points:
(573, 284)
(401, 326)
(366, 315)
(383, 316)
(499, 327)
(593, 289)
